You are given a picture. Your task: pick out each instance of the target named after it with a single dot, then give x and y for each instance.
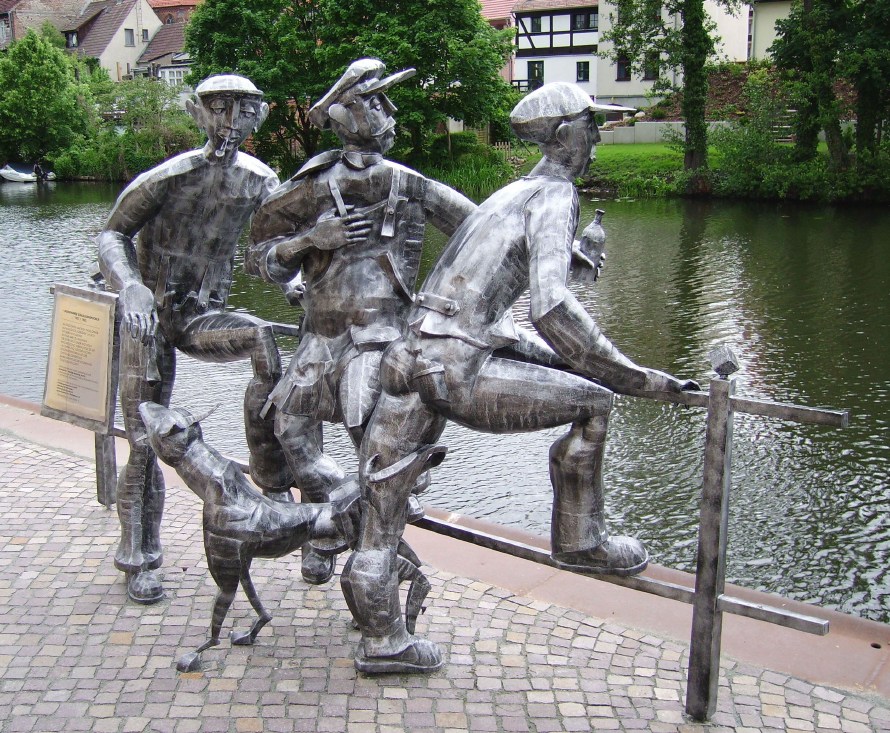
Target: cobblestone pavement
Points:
(76, 655)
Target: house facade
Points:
(164, 57)
(556, 40)
(764, 14)
(173, 11)
(561, 40)
(115, 32)
(19, 16)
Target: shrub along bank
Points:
(741, 167)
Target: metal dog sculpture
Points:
(240, 523)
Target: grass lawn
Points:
(647, 169)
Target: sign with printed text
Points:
(81, 369)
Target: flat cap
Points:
(537, 114)
(361, 78)
(227, 84)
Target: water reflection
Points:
(799, 292)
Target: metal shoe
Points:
(618, 555)
(420, 656)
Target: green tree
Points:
(866, 62)
(294, 50)
(825, 40)
(134, 126)
(672, 34)
(457, 54)
(39, 111)
(275, 44)
(807, 50)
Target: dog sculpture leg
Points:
(246, 638)
(228, 586)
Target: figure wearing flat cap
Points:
(173, 280)
(351, 224)
(450, 366)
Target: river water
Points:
(800, 293)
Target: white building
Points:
(764, 14)
(561, 40)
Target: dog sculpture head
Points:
(170, 430)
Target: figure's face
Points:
(381, 127)
(581, 143)
(229, 119)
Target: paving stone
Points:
(85, 658)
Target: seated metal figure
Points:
(448, 367)
(173, 280)
(351, 224)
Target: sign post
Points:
(82, 373)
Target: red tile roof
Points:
(497, 9)
(109, 16)
(170, 38)
(527, 6)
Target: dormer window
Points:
(71, 39)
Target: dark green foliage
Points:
(40, 113)
(151, 129)
(457, 54)
(748, 163)
(294, 51)
(475, 169)
(275, 43)
(822, 41)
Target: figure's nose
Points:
(231, 114)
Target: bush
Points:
(474, 169)
(461, 143)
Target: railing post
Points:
(710, 579)
(106, 470)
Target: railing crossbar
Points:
(653, 586)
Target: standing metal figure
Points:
(450, 366)
(173, 281)
(351, 224)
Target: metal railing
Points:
(707, 598)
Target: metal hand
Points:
(139, 316)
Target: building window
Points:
(586, 21)
(145, 35)
(71, 39)
(650, 70)
(129, 37)
(168, 20)
(582, 71)
(535, 74)
(623, 69)
(174, 77)
(536, 24)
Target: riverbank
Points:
(528, 648)
(655, 170)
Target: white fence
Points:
(645, 132)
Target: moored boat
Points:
(14, 176)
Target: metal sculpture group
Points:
(393, 363)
